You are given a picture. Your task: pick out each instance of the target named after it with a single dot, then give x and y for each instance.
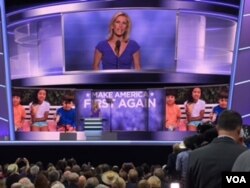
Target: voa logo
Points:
(236, 179)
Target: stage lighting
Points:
(174, 185)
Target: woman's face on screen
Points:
(120, 25)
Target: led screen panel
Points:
(124, 110)
(153, 30)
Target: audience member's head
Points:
(230, 124)
(53, 176)
(176, 148)
(204, 127)
(133, 176)
(40, 165)
(57, 184)
(26, 183)
(61, 164)
(91, 182)
(88, 173)
(12, 168)
(143, 184)
(34, 170)
(127, 166)
(65, 176)
(16, 185)
(109, 177)
(76, 168)
(118, 183)
(105, 167)
(139, 169)
(73, 178)
(41, 181)
(192, 142)
(209, 135)
(85, 167)
(82, 181)
(50, 167)
(71, 162)
(159, 173)
(154, 182)
(229, 120)
(146, 169)
(115, 168)
(67, 168)
(123, 174)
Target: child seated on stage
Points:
(19, 111)
(173, 112)
(39, 111)
(195, 108)
(66, 115)
(217, 110)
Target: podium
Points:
(93, 124)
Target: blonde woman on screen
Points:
(118, 51)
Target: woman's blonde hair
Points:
(127, 32)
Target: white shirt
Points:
(41, 109)
(197, 107)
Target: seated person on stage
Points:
(95, 111)
(19, 111)
(173, 112)
(66, 115)
(195, 109)
(39, 110)
(217, 110)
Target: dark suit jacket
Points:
(207, 163)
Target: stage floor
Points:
(101, 138)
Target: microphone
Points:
(117, 50)
(117, 47)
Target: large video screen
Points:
(153, 30)
(169, 40)
(111, 115)
(175, 47)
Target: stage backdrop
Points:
(129, 110)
